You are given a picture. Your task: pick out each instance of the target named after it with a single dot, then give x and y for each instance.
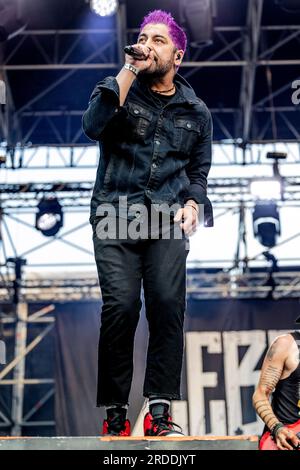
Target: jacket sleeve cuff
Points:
(195, 194)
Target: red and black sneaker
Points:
(161, 426)
(116, 424)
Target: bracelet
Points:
(192, 207)
(275, 429)
(132, 68)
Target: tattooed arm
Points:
(272, 370)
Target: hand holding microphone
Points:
(139, 55)
(135, 52)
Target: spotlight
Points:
(266, 188)
(198, 16)
(49, 218)
(266, 223)
(104, 7)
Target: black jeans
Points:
(123, 264)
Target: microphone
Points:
(135, 53)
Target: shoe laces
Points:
(164, 423)
(116, 425)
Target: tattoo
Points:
(271, 377)
(265, 412)
(271, 352)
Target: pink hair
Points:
(177, 34)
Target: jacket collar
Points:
(185, 89)
(185, 93)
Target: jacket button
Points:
(154, 165)
(136, 111)
(188, 125)
(157, 142)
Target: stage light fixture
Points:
(266, 188)
(198, 17)
(104, 7)
(266, 223)
(49, 218)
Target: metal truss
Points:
(15, 419)
(243, 285)
(87, 157)
(228, 195)
(248, 47)
(223, 192)
(202, 283)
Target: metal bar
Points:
(277, 245)
(41, 312)
(275, 93)
(17, 47)
(19, 369)
(6, 421)
(40, 320)
(38, 405)
(41, 49)
(227, 44)
(290, 126)
(63, 78)
(25, 351)
(55, 130)
(97, 66)
(48, 32)
(30, 131)
(121, 32)
(28, 382)
(224, 128)
(43, 32)
(251, 43)
(57, 238)
(38, 423)
(279, 44)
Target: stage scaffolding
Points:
(244, 47)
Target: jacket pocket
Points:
(186, 132)
(139, 120)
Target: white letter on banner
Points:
(241, 374)
(198, 380)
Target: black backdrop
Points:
(76, 340)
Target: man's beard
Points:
(160, 70)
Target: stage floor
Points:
(129, 443)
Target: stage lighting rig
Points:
(104, 7)
(198, 16)
(266, 223)
(49, 218)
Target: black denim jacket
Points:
(162, 153)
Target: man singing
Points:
(155, 151)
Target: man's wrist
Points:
(132, 69)
(192, 204)
(276, 428)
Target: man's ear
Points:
(178, 57)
